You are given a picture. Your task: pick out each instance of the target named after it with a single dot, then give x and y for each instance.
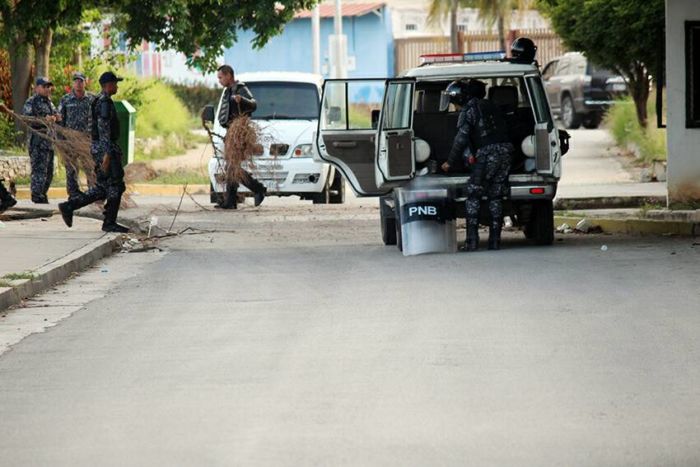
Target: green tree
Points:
(626, 36)
(198, 28)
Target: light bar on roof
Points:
(461, 58)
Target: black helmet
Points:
(459, 92)
(523, 50)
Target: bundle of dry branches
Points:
(240, 145)
(73, 147)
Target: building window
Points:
(692, 73)
(411, 27)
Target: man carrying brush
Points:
(237, 100)
(107, 154)
(75, 114)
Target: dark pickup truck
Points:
(578, 91)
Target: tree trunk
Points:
(20, 55)
(42, 47)
(502, 32)
(454, 33)
(639, 90)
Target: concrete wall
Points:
(683, 143)
(370, 47)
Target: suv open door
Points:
(395, 159)
(347, 130)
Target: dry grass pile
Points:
(240, 145)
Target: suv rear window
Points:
(509, 91)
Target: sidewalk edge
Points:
(634, 226)
(59, 270)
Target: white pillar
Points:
(683, 176)
(316, 39)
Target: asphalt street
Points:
(293, 337)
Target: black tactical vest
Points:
(104, 108)
(490, 126)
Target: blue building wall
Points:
(369, 38)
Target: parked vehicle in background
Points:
(287, 115)
(580, 92)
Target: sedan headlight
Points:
(303, 150)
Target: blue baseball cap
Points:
(109, 77)
(79, 75)
(43, 81)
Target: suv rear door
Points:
(547, 152)
(395, 158)
(347, 130)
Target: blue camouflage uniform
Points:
(109, 185)
(483, 134)
(76, 114)
(41, 154)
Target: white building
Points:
(683, 88)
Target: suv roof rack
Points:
(494, 56)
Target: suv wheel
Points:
(592, 121)
(388, 223)
(569, 117)
(335, 194)
(540, 228)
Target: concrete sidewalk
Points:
(35, 254)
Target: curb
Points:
(147, 189)
(133, 225)
(58, 271)
(635, 226)
(18, 214)
(607, 202)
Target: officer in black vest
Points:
(108, 160)
(237, 100)
(483, 133)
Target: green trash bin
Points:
(127, 130)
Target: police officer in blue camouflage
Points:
(108, 160)
(74, 108)
(41, 153)
(482, 135)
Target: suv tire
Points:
(592, 121)
(387, 223)
(540, 228)
(335, 194)
(569, 117)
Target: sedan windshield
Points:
(284, 100)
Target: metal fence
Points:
(408, 51)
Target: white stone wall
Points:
(683, 143)
(12, 167)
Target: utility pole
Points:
(316, 39)
(340, 64)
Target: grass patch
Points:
(16, 276)
(180, 177)
(622, 123)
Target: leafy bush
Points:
(161, 113)
(8, 133)
(196, 96)
(622, 123)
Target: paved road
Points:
(295, 338)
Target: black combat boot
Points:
(6, 199)
(260, 196)
(495, 236)
(66, 212)
(472, 243)
(110, 212)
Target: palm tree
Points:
(490, 11)
(498, 12)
